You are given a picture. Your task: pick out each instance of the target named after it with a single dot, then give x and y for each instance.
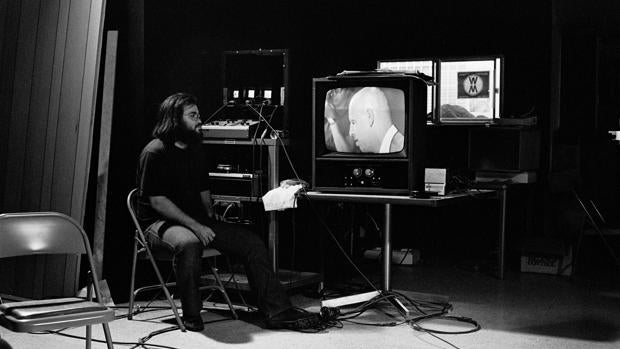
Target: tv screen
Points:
(367, 119)
(470, 89)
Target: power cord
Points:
(139, 343)
(215, 113)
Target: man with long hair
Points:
(175, 209)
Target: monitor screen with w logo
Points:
(470, 89)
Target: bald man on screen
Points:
(371, 125)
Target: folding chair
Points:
(142, 250)
(596, 221)
(31, 233)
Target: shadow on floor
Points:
(220, 327)
(586, 328)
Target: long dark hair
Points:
(170, 114)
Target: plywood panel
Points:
(48, 271)
(51, 79)
(39, 106)
(72, 267)
(8, 44)
(105, 134)
(87, 108)
(54, 276)
(4, 15)
(18, 123)
(54, 107)
(69, 108)
(24, 286)
(7, 275)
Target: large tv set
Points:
(368, 132)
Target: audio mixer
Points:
(229, 128)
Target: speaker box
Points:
(511, 149)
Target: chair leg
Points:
(577, 249)
(245, 304)
(133, 279)
(88, 336)
(216, 275)
(108, 336)
(165, 289)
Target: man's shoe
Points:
(193, 323)
(294, 319)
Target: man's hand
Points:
(204, 234)
(336, 105)
(168, 209)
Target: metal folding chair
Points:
(594, 220)
(31, 233)
(142, 250)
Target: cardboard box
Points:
(405, 256)
(546, 256)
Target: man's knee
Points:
(182, 239)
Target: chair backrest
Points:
(30, 233)
(131, 207)
(593, 214)
(40, 233)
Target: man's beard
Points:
(188, 136)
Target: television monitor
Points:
(425, 66)
(470, 89)
(368, 133)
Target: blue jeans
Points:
(229, 239)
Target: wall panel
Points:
(50, 97)
(22, 84)
(40, 97)
(53, 112)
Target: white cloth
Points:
(387, 139)
(281, 198)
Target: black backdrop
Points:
(169, 46)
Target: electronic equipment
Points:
(229, 128)
(352, 151)
(504, 149)
(436, 180)
(256, 79)
(468, 91)
(235, 184)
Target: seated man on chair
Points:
(175, 208)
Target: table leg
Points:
(274, 182)
(387, 261)
(501, 195)
(387, 247)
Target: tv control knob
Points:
(369, 172)
(357, 172)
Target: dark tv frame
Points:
(405, 167)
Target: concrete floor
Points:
(521, 311)
(580, 309)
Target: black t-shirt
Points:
(178, 174)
